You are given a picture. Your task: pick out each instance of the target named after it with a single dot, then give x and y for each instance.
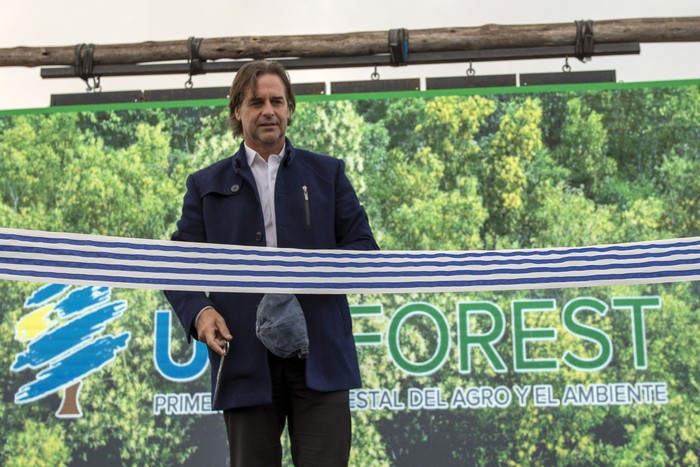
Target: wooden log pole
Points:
(490, 36)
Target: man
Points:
(272, 194)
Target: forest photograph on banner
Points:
(557, 374)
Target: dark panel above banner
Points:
(460, 82)
(379, 85)
(568, 77)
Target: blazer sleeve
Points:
(190, 228)
(352, 227)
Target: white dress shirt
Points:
(265, 174)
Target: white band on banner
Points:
(36, 256)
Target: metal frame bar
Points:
(423, 58)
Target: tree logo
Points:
(61, 334)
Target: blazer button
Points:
(235, 188)
(258, 236)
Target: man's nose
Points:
(267, 108)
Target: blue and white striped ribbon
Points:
(27, 255)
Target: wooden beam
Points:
(490, 36)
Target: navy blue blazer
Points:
(222, 206)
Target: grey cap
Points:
(281, 326)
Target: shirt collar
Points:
(250, 153)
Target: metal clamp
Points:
(398, 46)
(584, 40)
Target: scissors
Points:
(218, 373)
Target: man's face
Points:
(264, 115)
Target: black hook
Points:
(471, 71)
(195, 61)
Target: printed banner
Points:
(535, 300)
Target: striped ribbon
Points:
(27, 255)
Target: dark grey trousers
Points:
(319, 423)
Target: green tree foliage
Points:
(60, 177)
(565, 217)
(583, 147)
(678, 181)
(332, 128)
(36, 150)
(509, 152)
(423, 191)
(558, 169)
(36, 444)
(101, 177)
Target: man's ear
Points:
(237, 113)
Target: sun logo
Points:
(61, 330)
